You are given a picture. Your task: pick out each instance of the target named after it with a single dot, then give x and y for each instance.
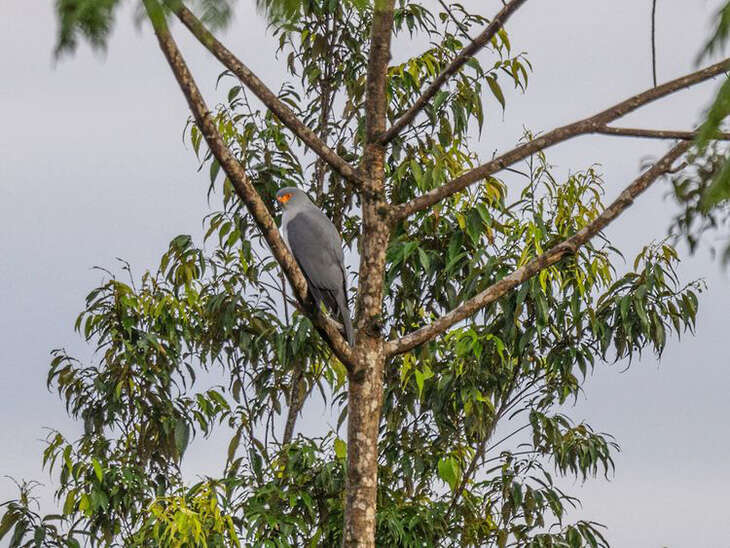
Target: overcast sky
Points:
(92, 167)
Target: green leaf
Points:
(421, 377)
(448, 469)
(719, 189)
(21, 528)
(340, 449)
(215, 168)
(720, 35)
(98, 470)
(6, 523)
(496, 90)
(182, 436)
(39, 536)
(439, 99)
(424, 260)
(68, 505)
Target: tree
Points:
(479, 313)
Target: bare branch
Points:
(267, 97)
(240, 180)
(550, 257)
(467, 53)
(657, 133)
(594, 124)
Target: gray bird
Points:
(317, 247)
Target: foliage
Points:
(474, 424)
(695, 220)
(717, 192)
(282, 12)
(188, 520)
(93, 20)
(716, 42)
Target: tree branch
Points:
(550, 257)
(267, 97)
(657, 133)
(241, 182)
(467, 53)
(296, 401)
(594, 124)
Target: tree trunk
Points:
(364, 404)
(366, 378)
(365, 382)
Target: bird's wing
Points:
(317, 248)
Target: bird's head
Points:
(290, 196)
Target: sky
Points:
(93, 167)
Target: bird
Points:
(317, 247)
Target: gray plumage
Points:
(317, 247)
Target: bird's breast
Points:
(282, 230)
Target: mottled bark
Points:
(366, 381)
(364, 404)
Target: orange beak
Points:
(284, 198)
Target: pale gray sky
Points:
(92, 167)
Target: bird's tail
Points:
(346, 321)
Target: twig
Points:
(458, 23)
(295, 403)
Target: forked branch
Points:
(595, 124)
(550, 257)
(267, 97)
(239, 179)
(459, 61)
